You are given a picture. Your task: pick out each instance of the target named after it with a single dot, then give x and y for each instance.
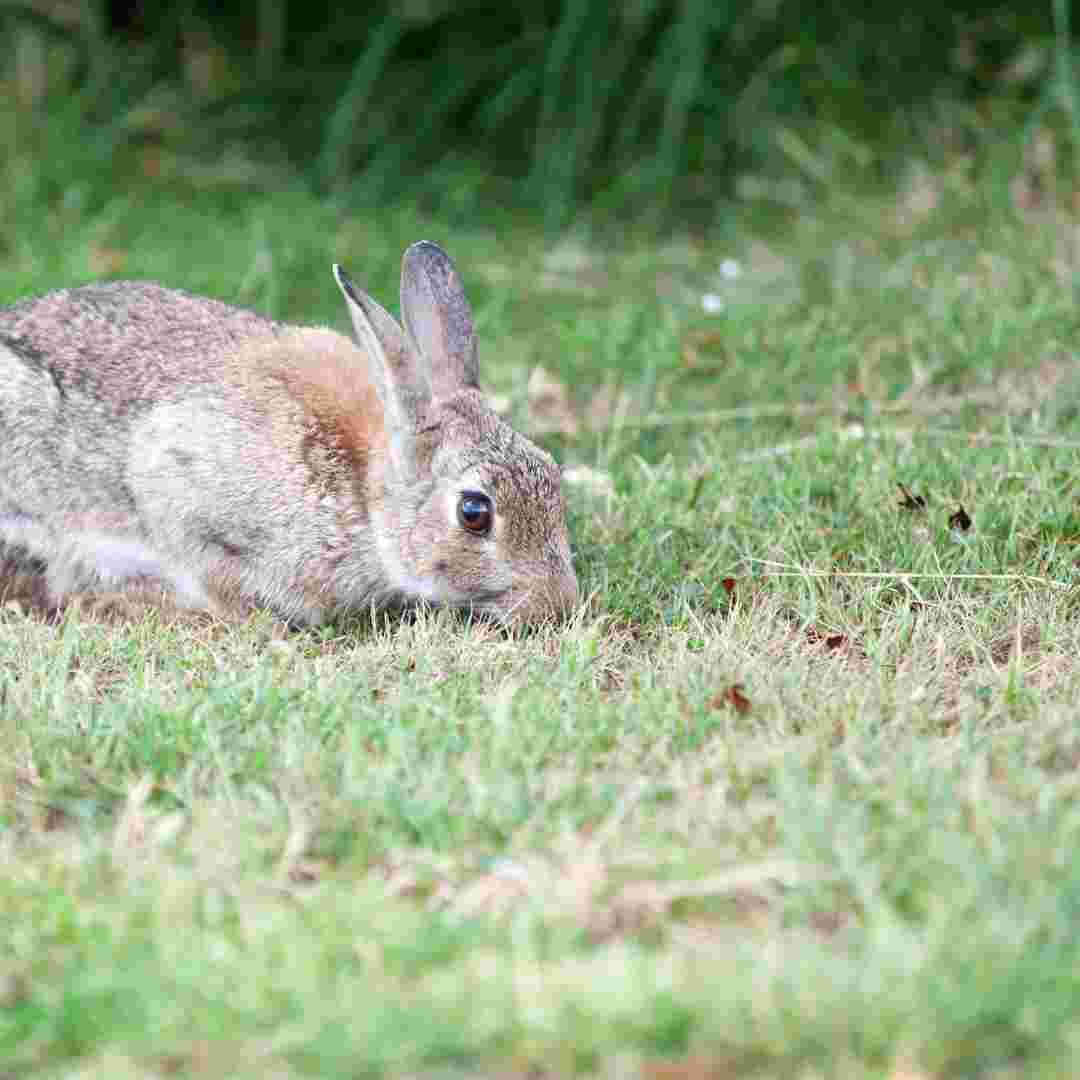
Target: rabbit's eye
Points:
(475, 512)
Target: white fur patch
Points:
(18, 530)
(116, 559)
(88, 557)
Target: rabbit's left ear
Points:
(438, 318)
(400, 377)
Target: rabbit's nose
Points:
(542, 599)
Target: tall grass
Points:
(647, 105)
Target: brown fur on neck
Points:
(326, 381)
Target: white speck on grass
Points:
(730, 269)
(712, 303)
(591, 481)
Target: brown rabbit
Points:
(151, 438)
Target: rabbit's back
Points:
(126, 342)
(80, 369)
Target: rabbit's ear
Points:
(438, 318)
(401, 382)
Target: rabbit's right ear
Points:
(439, 319)
(402, 384)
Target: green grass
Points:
(647, 110)
(423, 848)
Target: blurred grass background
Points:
(658, 112)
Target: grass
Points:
(794, 795)
(642, 111)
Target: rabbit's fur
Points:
(152, 439)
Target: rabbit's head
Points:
(465, 511)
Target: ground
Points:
(793, 794)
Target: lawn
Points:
(794, 794)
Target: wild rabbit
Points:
(152, 440)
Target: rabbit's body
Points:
(155, 438)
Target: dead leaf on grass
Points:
(407, 883)
(14, 989)
(606, 406)
(193, 1060)
(104, 260)
(910, 500)
(828, 923)
(55, 819)
(692, 345)
(150, 162)
(746, 885)
(960, 519)
(1018, 642)
(908, 1072)
(694, 1067)
(305, 871)
(508, 885)
(1031, 187)
(732, 696)
(28, 774)
(831, 640)
(550, 410)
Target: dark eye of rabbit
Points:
(475, 512)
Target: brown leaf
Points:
(305, 871)
(550, 410)
(1026, 190)
(827, 923)
(28, 774)
(150, 162)
(694, 1067)
(1016, 642)
(55, 818)
(908, 1072)
(732, 696)
(105, 260)
(960, 520)
(691, 356)
(14, 989)
(910, 500)
(605, 405)
(823, 637)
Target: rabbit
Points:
(156, 441)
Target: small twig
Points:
(706, 417)
(783, 449)
(789, 570)
(1008, 440)
(860, 408)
